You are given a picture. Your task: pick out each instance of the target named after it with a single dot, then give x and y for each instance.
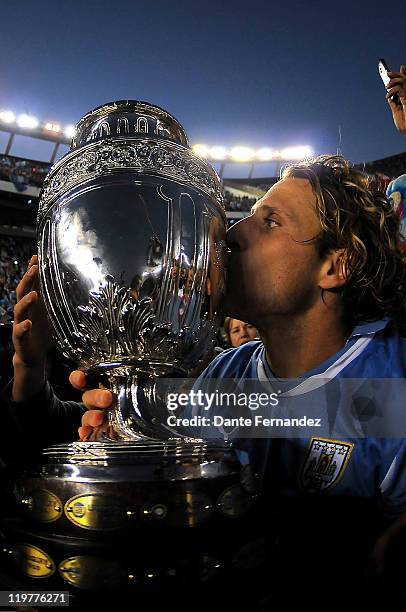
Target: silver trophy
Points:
(131, 243)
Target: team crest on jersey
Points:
(325, 463)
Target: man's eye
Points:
(271, 222)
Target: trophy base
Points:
(155, 568)
(89, 489)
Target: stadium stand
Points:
(15, 253)
(22, 172)
(238, 203)
(389, 167)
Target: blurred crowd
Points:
(22, 172)
(14, 256)
(238, 203)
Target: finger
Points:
(84, 432)
(393, 74)
(93, 418)
(33, 261)
(21, 309)
(395, 108)
(96, 434)
(392, 103)
(34, 273)
(81, 381)
(27, 282)
(77, 379)
(393, 90)
(21, 329)
(97, 398)
(396, 81)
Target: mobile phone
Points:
(383, 72)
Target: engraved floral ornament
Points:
(95, 159)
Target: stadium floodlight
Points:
(296, 152)
(27, 121)
(242, 154)
(201, 150)
(7, 116)
(267, 154)
(52, 127)
(69, 131)
(218, 153)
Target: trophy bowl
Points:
(131, 243)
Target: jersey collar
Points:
(368, 328)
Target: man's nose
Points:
(236, 235)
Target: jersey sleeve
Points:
(45, 418)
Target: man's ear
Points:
(334, 271)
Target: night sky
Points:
(234, 73)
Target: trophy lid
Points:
(128, 118)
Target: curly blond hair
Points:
(363, 224)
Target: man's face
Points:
(241, 332)
(269, 272)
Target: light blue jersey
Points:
(366, 467)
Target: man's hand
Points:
(397, 84)
(32, 336)
(97, 401)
